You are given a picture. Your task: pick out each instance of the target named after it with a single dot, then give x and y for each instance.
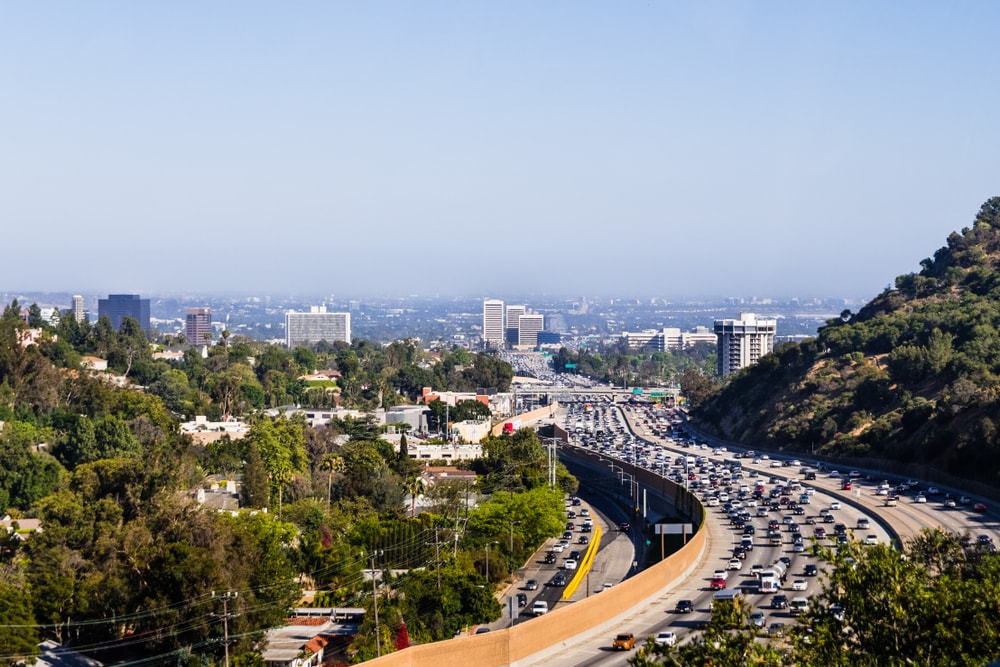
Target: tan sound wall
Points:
(506, 647)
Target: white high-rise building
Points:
(744, 341)
(493, 325)
(513, 316)
(316, 325)
(528, 327)
(78, 313)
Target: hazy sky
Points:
(717, 148)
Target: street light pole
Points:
(488, 560)
(512, 524)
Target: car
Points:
(558, 580)
(531, 585)
(569, 564)
(779, 601)
(756, 569)
(835, 504)
(624, 641)
(871, 539)
(964, 500)
(734, 564)
(776, 629)
(721, 573)
(933, 491)
(539, 608)
(984, 539)
(811, 570)
(684, 607)
(717, 583)
(819, 532)
(979, 507)
(558, 547)
(522, 600)
(481, 630)
(550, 558)
(666, 638)
(798, 510)
(799, 585)
(798, 547)
(920, 498)
(757, 619)
(624, 526)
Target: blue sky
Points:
(365, 148)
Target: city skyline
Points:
(595, 149)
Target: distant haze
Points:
(490, 148)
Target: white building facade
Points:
(744, 341)
(493, 323)
(316, 325)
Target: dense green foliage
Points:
(914, 376)
(126, 562)
(933, 604)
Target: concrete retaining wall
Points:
(507, 647)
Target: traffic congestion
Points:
(779, 514)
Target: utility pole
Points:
(225, 616)
(378, 638)
(437, 557)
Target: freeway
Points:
(829, 505)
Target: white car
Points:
(871, 539)
(720, 574)
(735, 564)
(666, 637)
(799, 585)
(835, 504)
(570, 564)
(921, 498)
(558, 547)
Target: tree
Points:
(18, 632)
(255, 489)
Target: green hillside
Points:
(914, 377)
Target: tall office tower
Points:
(528, 327)
(744, 341)
(513, 315)
(78, 314)
(493, 331)
(315, 326)
(119, 306)
(197, 324)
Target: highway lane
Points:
(886, 523)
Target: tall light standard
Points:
(512, 524)
(488, 560)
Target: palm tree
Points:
(331, 463)
(414, 486)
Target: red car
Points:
(717, 584)
(979, 507)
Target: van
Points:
(539, 608)
(798, 605)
